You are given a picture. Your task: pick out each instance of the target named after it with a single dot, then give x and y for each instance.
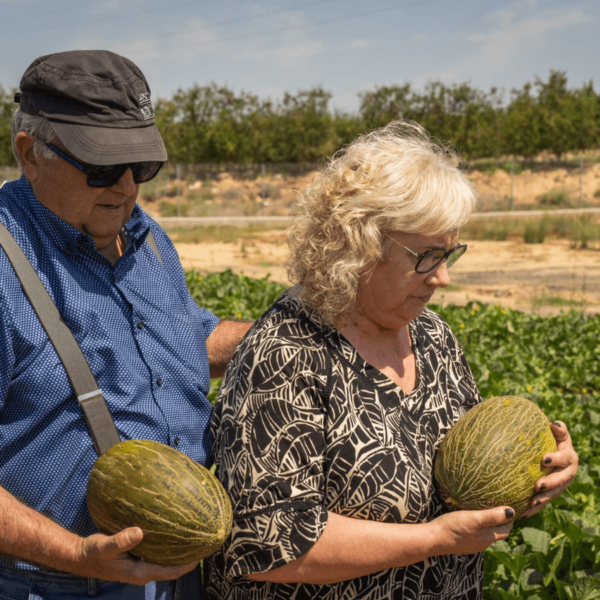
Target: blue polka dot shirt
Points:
(142, 334)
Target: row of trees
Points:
(214, 124)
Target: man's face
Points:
(99, 212)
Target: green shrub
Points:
(584, 231)
(199, 195)
(169, 209)
(233, 193)
(558, 197)
(535, 232)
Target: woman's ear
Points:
(24, 147)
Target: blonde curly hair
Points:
(394, 179)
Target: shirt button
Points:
(159, 381)
(176, 441)
(140, 325)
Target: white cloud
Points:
(144, 46)
(298, 52)
(284, 43)
(520, 27)
(362, 43)
(170, 43)
(297, 45)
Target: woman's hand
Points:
(565, 462)
(471, 531)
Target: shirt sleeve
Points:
(270, 454)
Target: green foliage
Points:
(552, 361)
(584, 231)
(231, 296)
(580, 230)
(169, 209)
(535, 232)
(7, 107)
(214, 124)
(556, 198)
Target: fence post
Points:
(580, 180)
(263, 191)
(512, 183)
(177, 177)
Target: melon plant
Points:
(180, 506)
(492, 455)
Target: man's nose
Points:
(125, 185)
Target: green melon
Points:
(180, 506)
(492, 455)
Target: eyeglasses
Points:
(430, 259)
(102, 176)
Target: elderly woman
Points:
(332, 410)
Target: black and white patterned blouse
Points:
(304, 426)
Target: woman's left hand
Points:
(565, 462)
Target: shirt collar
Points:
(70, 240)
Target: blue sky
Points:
(268, 47)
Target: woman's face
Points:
(395, 293)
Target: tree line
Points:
(212, 123)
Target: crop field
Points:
(552, 361)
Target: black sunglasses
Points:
(101, 176)
(427, 261)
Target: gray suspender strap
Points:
(95, 411)
(97, 416)
(152, 243)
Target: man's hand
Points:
(105, 557)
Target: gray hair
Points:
(37, 127)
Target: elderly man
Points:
(85, 139)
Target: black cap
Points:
(98, 103)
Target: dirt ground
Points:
(530, 187)
(542, 278)
(275, 194)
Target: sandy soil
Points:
(529, 187)
(228, 196)
(543, 278)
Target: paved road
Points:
(185, 222)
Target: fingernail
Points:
(542, 487)
(547, 460)
(557, 423)
(509, 512)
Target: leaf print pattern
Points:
(304, 426)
